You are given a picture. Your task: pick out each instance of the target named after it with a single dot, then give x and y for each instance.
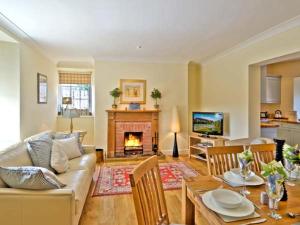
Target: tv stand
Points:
(206, 136)
(198, 145)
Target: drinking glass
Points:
(274, 190)
(245, 173)
(289, 167)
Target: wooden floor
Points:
(119, 209)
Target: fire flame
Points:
(132, 141)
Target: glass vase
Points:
(274, 189)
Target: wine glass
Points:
(274, 190)
(289, 167)
(245, 173)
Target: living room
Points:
(60, 62)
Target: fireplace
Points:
(132, 132)
(133, 143)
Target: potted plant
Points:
(156, 94)
(115, 93)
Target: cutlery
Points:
(293, 215)
(255, 221)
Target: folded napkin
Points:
(232, 219)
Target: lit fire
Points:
(132, 141)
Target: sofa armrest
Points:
(30, 207)
(89, 149)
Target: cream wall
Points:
(194, 72)
(85, 123)
(225, 80)
(36, 117)
(9, 93)
(170, 79)
(288, 71)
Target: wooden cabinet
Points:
(198, 145)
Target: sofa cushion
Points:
(39, 136)
(70, 147)
(15, 155)
(61, 135)
(30, 177)
(59, 159)
(78, 181)
(40, 152)
(86, 161)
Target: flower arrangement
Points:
(274, 169)
(291, 154)
(156, 94)
(246, 156)
(115, 93)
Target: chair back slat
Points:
(222, 159)
(148, 195)
(262, 153)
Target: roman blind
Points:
(74, 77)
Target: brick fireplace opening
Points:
(133, 143)
(129, 125)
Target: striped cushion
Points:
(40, 152)
(30, 177)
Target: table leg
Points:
(187, 208)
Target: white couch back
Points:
(15, 155)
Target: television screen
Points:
(209, 123)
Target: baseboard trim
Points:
(170, 151)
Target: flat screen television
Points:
(208, 123)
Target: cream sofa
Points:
(50, 207)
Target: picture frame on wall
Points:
(133, 91)
(42, 89)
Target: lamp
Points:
(66, 101)
(71, 113)
(175, 128)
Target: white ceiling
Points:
(167, 30)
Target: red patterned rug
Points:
(114, 180)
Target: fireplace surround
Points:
(122, 123)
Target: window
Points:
(78, 87)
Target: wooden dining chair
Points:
(222, 159)
(262, 153)
(148, 195)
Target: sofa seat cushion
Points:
(86, 161)
(78, 181)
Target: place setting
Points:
(232, 205)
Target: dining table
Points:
(194, 187)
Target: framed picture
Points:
(42, 89)
(133, 91)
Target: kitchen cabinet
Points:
(271, 89)
(290, 133)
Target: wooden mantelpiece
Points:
(138, 119)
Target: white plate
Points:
(245, 209)
(253, 181)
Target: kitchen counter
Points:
(269, 125)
